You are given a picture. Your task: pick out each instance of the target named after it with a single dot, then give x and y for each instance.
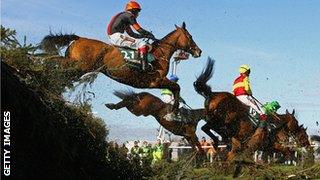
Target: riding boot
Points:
(143, 61)
(143, 51)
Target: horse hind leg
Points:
(116, 106)
(206, 128)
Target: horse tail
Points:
(125, 94)
(200, 85)
(52, 43)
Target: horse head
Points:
(185, 41)
(298, 131)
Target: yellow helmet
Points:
(244, 68)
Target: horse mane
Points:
(200, 84)
(125, 94)
(284, 121)
(156, 43)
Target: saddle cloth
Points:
(132, 55)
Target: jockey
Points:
(242, 90)
(271, 107)
(122, 23)
(167, 96)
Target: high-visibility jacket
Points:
(135, 151)
(157, 153)
(241, 86)
(146, 152)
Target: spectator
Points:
(146, 154)
(211, 153)
(157, 152)
(136, 151)
(124, 150)
(204, 143)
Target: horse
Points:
(147, 104)
(227, 116)
(92, 55)
(286, 126)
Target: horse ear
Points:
(177, 27)
(287, 112)
(183, 25)
(293, 111)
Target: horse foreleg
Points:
(236, 145)
(193, 141)
(257, 139)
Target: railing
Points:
(256, 154)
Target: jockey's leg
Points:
(143, 51)
(247, 100)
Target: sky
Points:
(279, 39)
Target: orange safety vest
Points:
(241, 86)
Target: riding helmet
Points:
(131, 5)
(244, 68)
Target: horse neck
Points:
(294, 129)
(292, 125)
(197, 115)
(165, 49)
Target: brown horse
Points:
(147, 104)
(227, 116)
(93, 55)
(287, 126)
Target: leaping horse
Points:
(227, 116)
(92, 55)
(147, 104)
(286, 126)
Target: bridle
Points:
(174, 46)
(295, 134)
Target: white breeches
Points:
(122, 39)
(166, 98)
(249, 101)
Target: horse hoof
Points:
(110, 106)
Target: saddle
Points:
(131, 56)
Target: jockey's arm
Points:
(132, 34)
(247, 85)
(133, 22)
(145, 33)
